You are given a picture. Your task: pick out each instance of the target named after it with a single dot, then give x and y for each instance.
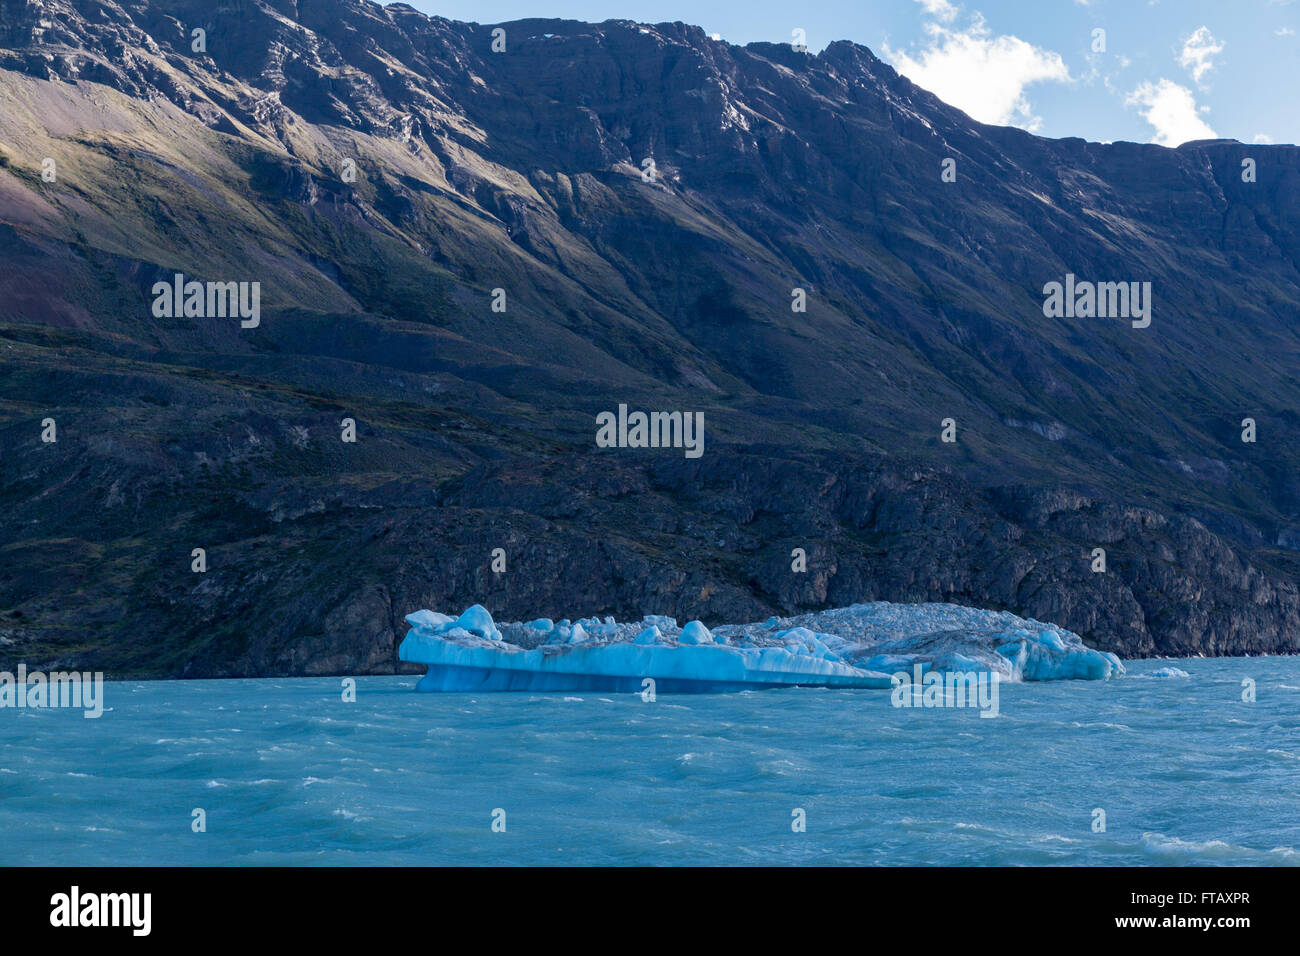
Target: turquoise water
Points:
(288, 773)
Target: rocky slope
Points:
(523, 171)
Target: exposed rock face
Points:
(523, 171)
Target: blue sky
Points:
(1171, 70)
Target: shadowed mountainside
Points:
(522, 171)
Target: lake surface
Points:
(286, 772)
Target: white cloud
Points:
(1283, 32)
(984, 75)
(942, 9)
(1199, 51)
(1171, 110)
(1263, 139)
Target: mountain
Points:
(385, 178)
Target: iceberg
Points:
(1164, 672)
(853, 647)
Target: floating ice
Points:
(1162, 672)
(858, 646)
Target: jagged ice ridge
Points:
(857, 646)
